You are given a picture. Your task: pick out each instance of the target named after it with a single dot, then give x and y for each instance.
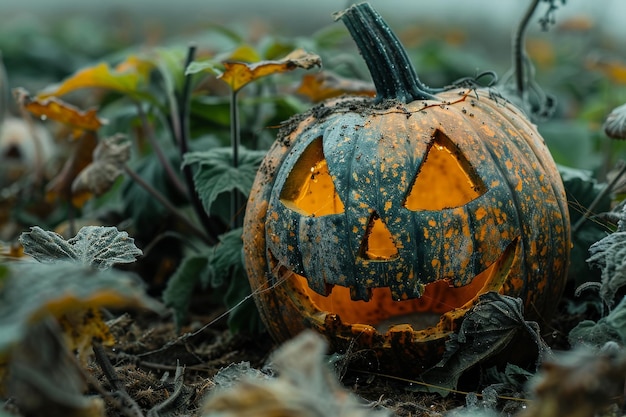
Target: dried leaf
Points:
(126, 78)
(109, 160)
(33, 291)
(98, 247)
(326, 84)
(80, 158)
(238, 74)
(55, 109)
(43, 377)
(487, 328)
(615, 123)
(578, 383)
(304, 387)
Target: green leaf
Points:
(33, 290)
(216, 175)
(226, 256)
(181, 285)
(94, 246)
(611, 328)
(208, 66)
(487, 328)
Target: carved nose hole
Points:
(378, 244)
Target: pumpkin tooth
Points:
(359, 293)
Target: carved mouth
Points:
(384, 315)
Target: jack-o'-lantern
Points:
(379, 222)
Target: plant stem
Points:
(235, 138)
(159, 152)
(166, 203)
(183, 123)
(392, 72)
(519, 51)
(599, 197)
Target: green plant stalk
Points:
(235, 138)
(166, 203)
(599, 197)
(169, 170)
(182, 117)
(519, 51)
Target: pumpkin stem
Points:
(392, 72)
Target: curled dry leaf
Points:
(79, 159)
(304, 387)
(109, 159)
(579, 383)
(238, 74)
(60, 111)
(326, 84)
(127, 77)
(615, 123)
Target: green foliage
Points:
(216, 174)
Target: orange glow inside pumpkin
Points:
(445, 179)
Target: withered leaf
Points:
(238, 74)
(98, 247)
(127, 77)
(326, 84)
(44, 378)
(56, 109)
(32, 291)
(615, 123)
(109, 159)
(81, 156)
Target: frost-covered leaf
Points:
(609, 254)
(486, 329)
(109, 159)
(94, 246)
(33, 290)
(216, 174)
(611, 328)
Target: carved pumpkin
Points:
(379, 222)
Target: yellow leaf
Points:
(60, 111)
(238, 74)
(326, 84)
(244, 53)
(614, 69)
(125, 78)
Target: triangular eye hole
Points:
(309, 188)
(445, 179)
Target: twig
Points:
(166, 203)
(519, 52)
(127, 405)
(599, 197)
(159, 152)
(235, 138)
(183, 125)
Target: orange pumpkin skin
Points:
(510, 236)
